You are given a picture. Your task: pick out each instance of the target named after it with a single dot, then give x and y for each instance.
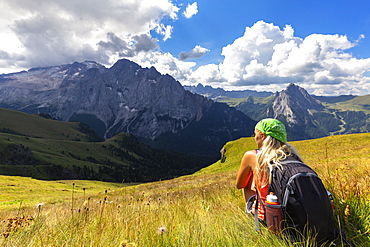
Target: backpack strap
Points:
(258, 201)
(291, 161)
(256, 221)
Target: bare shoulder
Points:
(251, 154)
(249, 158)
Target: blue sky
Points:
(323, 46)
(219, 22)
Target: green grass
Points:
(234, 152)
(203, 209)
(41, 148)
(39, 127)
(58, 152)
(360, 103)
(27, 192)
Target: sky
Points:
(263, 45)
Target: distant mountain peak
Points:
(294, 103)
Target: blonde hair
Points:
(271, 154)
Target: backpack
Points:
(306, 207)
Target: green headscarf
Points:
(272, 127)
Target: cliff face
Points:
(295, 104)
(123, 98)
(128, 98)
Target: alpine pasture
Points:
(202, 209)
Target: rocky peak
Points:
(294, 103)
(300, 97)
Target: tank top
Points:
(263, 191)
(261, 208)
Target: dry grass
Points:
(203, 209)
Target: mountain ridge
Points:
(307, 117)
(215, 93)
(122, 98)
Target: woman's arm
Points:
(244, 179)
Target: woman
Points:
(270, 137)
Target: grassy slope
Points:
(360, 103)
(15, 189)
(203, 209)
(61, 146)
(59, 152)
(38, 127)
(333, 150)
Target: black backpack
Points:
(304, 201)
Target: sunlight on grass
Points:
(203, 209)
(15, 190)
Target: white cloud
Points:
(165, 63)
(166, 31)
(191, 10)
(268, 55)
(43, 33)
(197, 52)
(267, 58)
(55, 32)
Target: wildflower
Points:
(174, 240)
(86, 205)
(346, 211)
(161, 230)
(38, 206)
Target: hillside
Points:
(15, 122)
(42, 148)
(352, 151)
(359, 103)
(30, 192)
(203, 209)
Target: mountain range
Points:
(306, 116)
(216, 93)
(126, 98)
(134, 124)
(163, 114)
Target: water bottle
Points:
(330, 196)
(274, 214)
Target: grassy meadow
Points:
(202, 209)
(360, 103)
